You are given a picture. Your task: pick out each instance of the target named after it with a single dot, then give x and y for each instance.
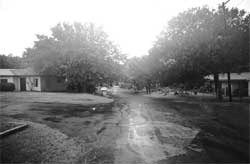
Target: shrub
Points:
(91, 88)
(240, 92)
(7, 86)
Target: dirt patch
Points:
(100, 130)
(65, 110)
(19, 115)
(104, 155)
(228, 150)
(3, 106)
(87, 122)
(53, 119)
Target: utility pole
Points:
(225, 29)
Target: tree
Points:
(235, 42)
(10, 61)
(82, 54)
(198, 44)
(184, 41)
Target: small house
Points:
(238, 81)
(29, 80)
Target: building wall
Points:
(17, 83)
(224, 86)
(30, 83)
(43, 84)
(249, 88)
(235, 85)
(49, 84)
(9, 79)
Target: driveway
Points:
(133, 129)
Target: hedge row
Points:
(7, 86)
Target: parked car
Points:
(104, 91)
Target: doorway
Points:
(23, 84)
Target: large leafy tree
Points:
(81, 53)
(142, 71)
(200, 42)
(184, 40)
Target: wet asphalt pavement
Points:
(136, 129)
(145, 135)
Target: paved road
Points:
(145, 135)
(135, 129)
(145, 130)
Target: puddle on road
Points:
(53, 119)
(155, 140)
(19, 115)
(65, 110)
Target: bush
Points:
(90, 88)
(7, 87)
(240, 92)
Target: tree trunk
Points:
(229, 87)
(217, 86)
(79, 87)
(216, 80)
(240, 96)
(219, 91)
(85, 86)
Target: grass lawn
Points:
(53, 97)
(50, 116)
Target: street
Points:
(145, 135)
(133, 129)
(147, 130)
(124, 82)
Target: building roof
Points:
(18, 72)
(234, 76)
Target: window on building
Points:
(4, 81)
(36, 82)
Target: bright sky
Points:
(131, 24)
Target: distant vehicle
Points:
(104, 89)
